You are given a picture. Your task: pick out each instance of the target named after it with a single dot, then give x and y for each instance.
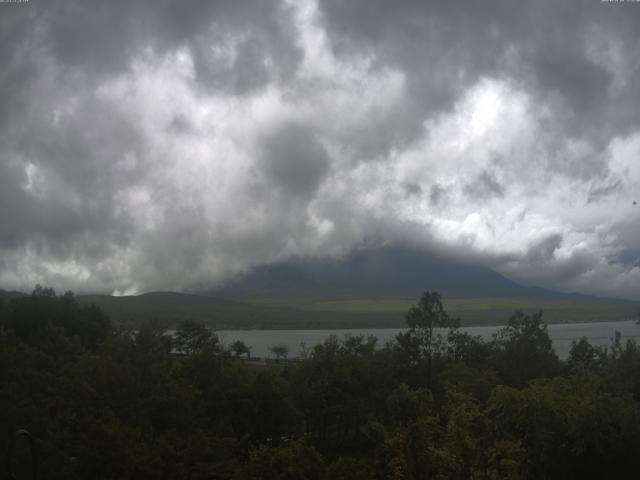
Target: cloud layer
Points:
(173, 145)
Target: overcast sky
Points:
(156, 144)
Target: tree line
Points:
(436, 403)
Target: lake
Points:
(598, 333)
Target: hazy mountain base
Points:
(369, 288)
(399, 272)
(167, 309)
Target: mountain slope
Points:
(7, 294)
(368, 289)
(388, 272)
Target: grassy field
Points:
(167, 309)
(475, 311)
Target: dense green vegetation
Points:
(168, 309)
(106, 403)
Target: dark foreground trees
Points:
(425, 340)
(33, 318)
(437, 403)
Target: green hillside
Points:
(473, 311)
(168, 309)
(6, 294)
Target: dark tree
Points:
(582, 354)
(525, 349)
(425, 339)
(32, 318)
(240, 348)
(280, 350)
(192, 336)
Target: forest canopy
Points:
(106, 403)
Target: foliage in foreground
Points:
(105, 404)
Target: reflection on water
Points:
(598, 333)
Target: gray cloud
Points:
(413, 188)
(294, 160)
(485, 185)
(564, 54)
(162, 145)
(437, 194)
(610, 186)
(101, 39)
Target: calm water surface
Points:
(598, 333)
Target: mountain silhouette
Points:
(381, 272)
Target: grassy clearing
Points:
(480, 310)
(167, 309)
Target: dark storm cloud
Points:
(249, 57)
(180, 124)
(149, 145)
(18, 40)
(294, 160)
(48, 216)
(412, 189)
(600, 190)
(544, 263)
(628, 233)
(68, 153)
(437, 194)
(484, 185)
(555, 272)
(544, 249)
(15, 206)
(561, 70)
(441, 57)
(101, 38)
(61, 172)
(550, 47)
